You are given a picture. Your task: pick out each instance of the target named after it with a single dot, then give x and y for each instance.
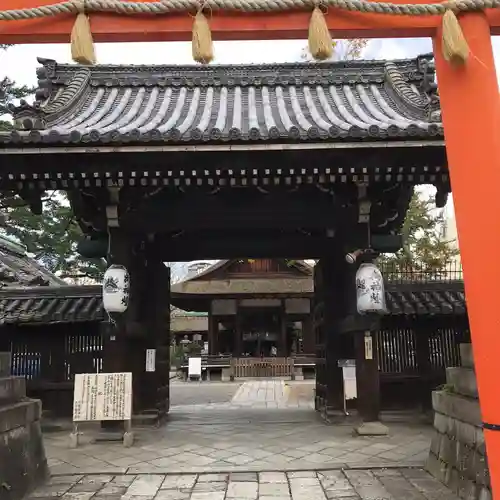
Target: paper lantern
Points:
(116, 289)
(370, 290)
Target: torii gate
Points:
(471, 115)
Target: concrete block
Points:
(441, 423)
(436, 467)
(19, 414)
(456, 406)
(447, 450)
(467, 489)
(226, 374)
(436, 443)
(463, 381)
(485, 494)
(22, 456)
(12, 389)
(466, 433)
(466, 355)
(372, 429)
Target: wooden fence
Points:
(262, 367)
(413, 355)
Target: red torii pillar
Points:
(471, 110)
(470, 105)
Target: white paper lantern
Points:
(370, 290)
(116, 289)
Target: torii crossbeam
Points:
(471, 115)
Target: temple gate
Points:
(467, 143)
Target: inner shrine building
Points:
(256, 307)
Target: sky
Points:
(19, 63)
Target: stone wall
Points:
(458, 455)
(22, 456)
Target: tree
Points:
(343, 50)
(9, 92)
(425, 249)
(51, 237)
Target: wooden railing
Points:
(262, 367)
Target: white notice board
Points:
(150, 360)
(349, 376)
(194, 367)
(102, 396)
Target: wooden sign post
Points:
(100, 397)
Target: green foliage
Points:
(9, 91)
(424, 245)
(50, 237)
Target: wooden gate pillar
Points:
(422, 332)
(213, 333)
(470, 104)
(334, 285)
(143, 326)
(154, 318)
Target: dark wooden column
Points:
(334, 295)
(238, 332)
(117, 355)
(213, 334)
(282, 350)
(308, 341)
(154, 331)
(422, 332)
(367, 374)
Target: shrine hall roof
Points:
(334, 101)
(18, 269)
(44, 305)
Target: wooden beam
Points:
(225, 26)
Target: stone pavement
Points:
(217, 440)
(349, 484)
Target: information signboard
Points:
(102, 396)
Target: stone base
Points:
(22, 455)
(372, 429)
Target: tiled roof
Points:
(375, 100)
(17, 269)
(51, 305)
(84, 303)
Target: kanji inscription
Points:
(102, 396)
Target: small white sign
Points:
(194, 367)
(102, 396)
(349, 376)
(368, 346)
(150, 360)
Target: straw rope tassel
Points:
(455, 46)
(202, 46)
(82, 43)
(320, 40)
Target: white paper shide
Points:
(116, 289)
(370, 290)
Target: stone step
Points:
(466, 355)
(12, 389)
(4, 364)
(463, 381)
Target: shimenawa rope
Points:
(454, 44)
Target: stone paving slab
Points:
(362, 484)
(249, 440)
